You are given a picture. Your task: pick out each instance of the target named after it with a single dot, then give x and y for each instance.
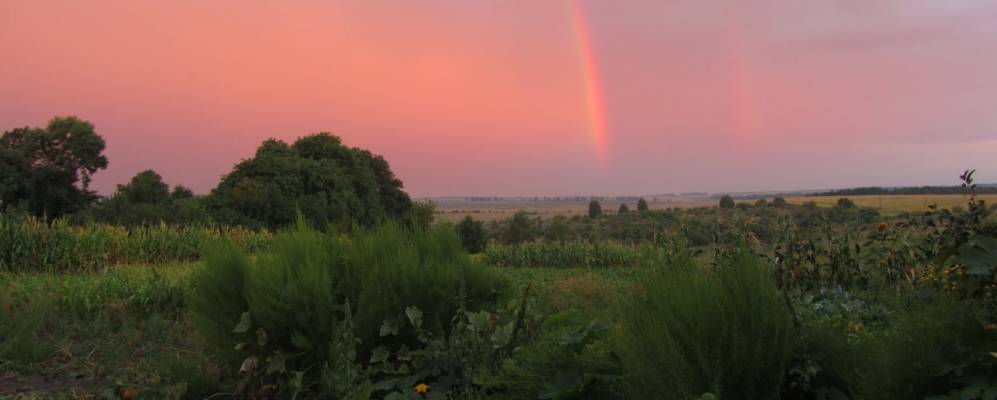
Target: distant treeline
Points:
(876, 190)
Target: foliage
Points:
(571, 358)
(519, 230)
(595, 209)
(726, 202)
(563, 255)
(30, 244)
(623, 209)
(692, 331)
(331, 184)
(845, 202)
(778, 202)
(144, 200)
(285, 312)
(472, 235)
(20, 326)
(642, 205)
(48, 170)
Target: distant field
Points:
(895, 204)
(454, 211)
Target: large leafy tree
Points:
(330, 184)
(47, 170)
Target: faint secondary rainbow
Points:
(594, 106)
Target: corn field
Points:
(564, 255)
(31, 244)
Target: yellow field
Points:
(896, 204)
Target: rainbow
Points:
(594, 105)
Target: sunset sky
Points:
(523, 97)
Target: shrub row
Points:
(564, 255)
(31, 244)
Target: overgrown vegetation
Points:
(759, 300)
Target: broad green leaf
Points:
(388, 328)
(379, 354)
(565, 384)
(414, 316)
(245, 322)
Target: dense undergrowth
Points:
(887, 309)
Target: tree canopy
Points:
(595, 209)
(330, 184)
(47, 170)
(726, 202)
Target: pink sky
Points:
(496, 97)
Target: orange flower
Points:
(882, 226)
(422, 388)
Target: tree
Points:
(146, 187)
(623, 209)
(181, 192)
(778, 202)
(472, 235)
(519, 230)
(146, 199)
(642, 205)
(595, 209)
(845, 202)
(48, 170)
(558, 229)
(726, 202)
(761, 203)
(331, 184)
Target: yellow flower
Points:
(882, 226)
(854, 327)
(422, 388)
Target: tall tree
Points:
(519, 230)
(595, 209)
(330, 184)
(48, 170)
(642, 205)
(726, 202)
(472, 235)
(623, 209)
(146, 187)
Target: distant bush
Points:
(472, 235)
(687, 331)
(520, 229)
(595, 209)
(726, 202)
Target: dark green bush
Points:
(689, 331)
(292, 300)
(925, 352)
(20, 326)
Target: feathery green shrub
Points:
(689, 331)
(292, 300)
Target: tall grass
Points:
(565, 255)
(31, 244)
(689, 331)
